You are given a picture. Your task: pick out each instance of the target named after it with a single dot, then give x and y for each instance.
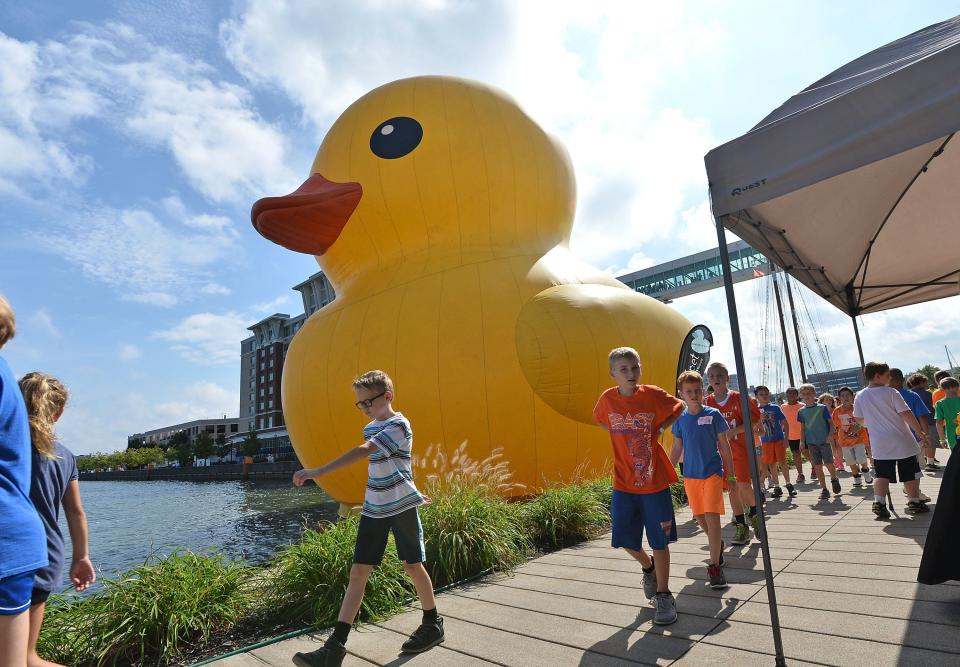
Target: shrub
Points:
(149, 613)
(561, 515)
(311, 577)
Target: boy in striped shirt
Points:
(390, 504)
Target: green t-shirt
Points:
(947, 409)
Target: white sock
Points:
(913, 500)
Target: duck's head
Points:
(432, 167)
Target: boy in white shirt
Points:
(889, 419)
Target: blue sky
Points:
(134, 136)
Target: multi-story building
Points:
(261, 362)
(227, 427)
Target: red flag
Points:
(757, 273)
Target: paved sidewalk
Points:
(845, 584)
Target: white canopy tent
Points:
(853, 187)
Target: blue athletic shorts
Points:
(634, 513)
(15, 593)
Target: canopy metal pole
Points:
(783, 328)
(748, 436)
(856, 332)
(796, 330)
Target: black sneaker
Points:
(825, 494)
(424, 638)
(880, 510)
(791, 491)
(835, 485)
(777, 492)
(917, 507)
(329, 655)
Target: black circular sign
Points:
(396, 137)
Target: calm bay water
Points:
(130, 520)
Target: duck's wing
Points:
(565, 333)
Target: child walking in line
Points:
(727, 402)
(389, 505)
(828, 400)
(700, 435)
(54, 483)
(23, 548)
(918, 384)
(946, 412)
(774, 424)
(816, 431)
(635, 414)
(889, 419)
(852, 438)
(790, 410)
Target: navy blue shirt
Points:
(772, 418)
(927, 399)
(49, 484)
(22, 544)
(701, 456)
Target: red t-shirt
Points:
(732, 413)
(640, 463)
(849, 431)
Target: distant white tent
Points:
(853, 187)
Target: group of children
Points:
(38, 476)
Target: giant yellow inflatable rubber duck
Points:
(441, 213)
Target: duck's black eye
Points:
(395, 137)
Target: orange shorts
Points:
(775, 452)
(741, 466)
(704, 495)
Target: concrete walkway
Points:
(845, 584)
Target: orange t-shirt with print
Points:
(849, 431)
(640, 463)
(732, 413)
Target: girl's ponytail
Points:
(45, 397)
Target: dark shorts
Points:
(907, 469)
(632, 514)
(820, 453)
(39, 596)
(372, 538)
(794, 445)
(15, 593)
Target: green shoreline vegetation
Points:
(187, 606)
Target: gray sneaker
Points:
(649, 583)
(666, 612)
(717, 580)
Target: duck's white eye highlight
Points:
(386, 129)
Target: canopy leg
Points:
(748, 436)
(856, 332)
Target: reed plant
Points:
(310, 578)
(469, 527)
(564, 514)
(148, 614)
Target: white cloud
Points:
(270, 307)
(207, 338)
(44, 322)
(129, 352)
(216, 289)
(209, 126)
(199, 400)
(146, 259)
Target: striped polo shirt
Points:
(390, 487)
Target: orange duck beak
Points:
(310, 218)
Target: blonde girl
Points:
(54, 482)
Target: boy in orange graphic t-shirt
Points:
(635, 415)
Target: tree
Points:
(203, 445)
(222, 448)
(251, 444)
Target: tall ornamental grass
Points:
(149, 614)
(562, 515)
(310, 578)
(468, 526)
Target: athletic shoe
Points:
(666, 612)
(838, 463)
(917, 507)
(880, 510)
(801, 479)
(930, 467)
(741, 535)
(825, 494)
(835, 485)
(649, 583)
(858, 481)
(777, 492)
(717, 580)
(329, 655)
(867, 477)
(425, 637)
(791, 491)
